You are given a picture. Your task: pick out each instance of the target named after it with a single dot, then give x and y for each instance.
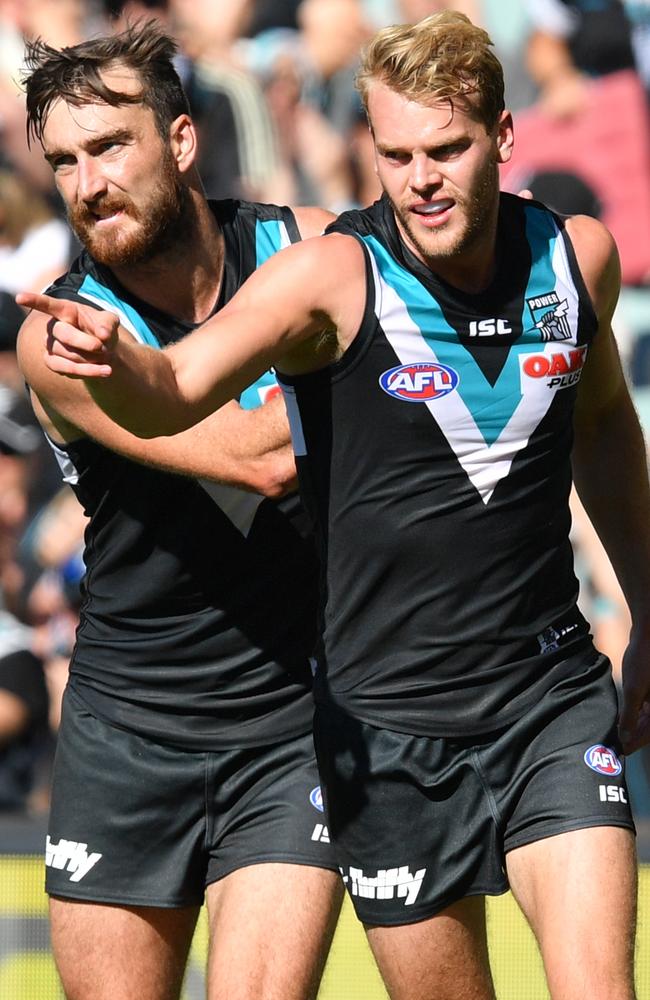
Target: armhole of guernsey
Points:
(239, 506)
(100, 295)
(271, 235)
(92, 291)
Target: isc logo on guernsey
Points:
(419, 383)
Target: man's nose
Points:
(91, 183)
(425, 173)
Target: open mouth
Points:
(433, 213)
(104, 217)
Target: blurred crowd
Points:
(271, 86)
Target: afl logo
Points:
(316, 798)
(418, 383)
(603, 760)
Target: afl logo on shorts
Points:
(316, 798)
(419, 383)
(603, 760)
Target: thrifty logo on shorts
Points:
(387, 883)
(71, 854)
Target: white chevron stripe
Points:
(485, 465)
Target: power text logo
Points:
(550, 316)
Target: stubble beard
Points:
(164, 222)
(478, 209)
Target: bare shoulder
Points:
(598, 260)
(312, 221)
(31, 346)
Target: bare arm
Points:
(611, 474)
(249, 449)
(312, 221)
(288, 313)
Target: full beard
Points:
(164, 222)
(478, 209)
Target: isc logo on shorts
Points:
(603, 760)
(419, 383)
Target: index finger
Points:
(56, 308)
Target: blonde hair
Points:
(443, 57)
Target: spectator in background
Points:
(307, 74)
(573, 41)
(34, 243)
(60, 22)
(23, 695)
(239, 155)
(23, 713)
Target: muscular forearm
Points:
(141, 393)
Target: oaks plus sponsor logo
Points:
(559, 369)
(550, 316)
(603, 760)
(420, 382)
(388, 883)
(71, 856)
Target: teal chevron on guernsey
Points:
(427, 316)
(486, 425)
(270, 236)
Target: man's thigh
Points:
(278, 920)
(127, 819)
(578, 892)
(275, 890)
(107, 952)
(559, 781)
(442, 958)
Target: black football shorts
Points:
(139, 823)
(418, 823)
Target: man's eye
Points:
(62, 161)
(449, 152)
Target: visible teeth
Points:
(433, 209)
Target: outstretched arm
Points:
(611, 473)
(279, 317)
(249, 449)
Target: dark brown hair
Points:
(74, 75)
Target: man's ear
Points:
(505, 137)
(182, 137)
